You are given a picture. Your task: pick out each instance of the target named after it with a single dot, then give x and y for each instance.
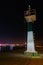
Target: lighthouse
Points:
(30, 16)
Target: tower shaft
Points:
(30, 38)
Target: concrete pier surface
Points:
(21, 61)
(11, 59)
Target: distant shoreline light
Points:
(13, 44)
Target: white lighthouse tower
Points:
(30, 16)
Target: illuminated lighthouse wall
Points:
(30, 38)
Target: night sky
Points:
(12, 23)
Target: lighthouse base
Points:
(27, 53)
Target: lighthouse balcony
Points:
(30, 18)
